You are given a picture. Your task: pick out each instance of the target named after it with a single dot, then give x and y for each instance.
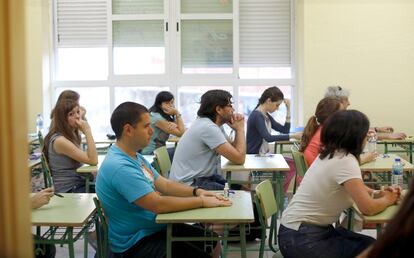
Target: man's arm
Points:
(176, 197)
(235, 152)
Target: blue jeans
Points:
(214, 182)
(317, 241)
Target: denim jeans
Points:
(317, 241)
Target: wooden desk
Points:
(241, 212)
(283, 143)
(382, 167)
(74, 210)
(406, 144)
(383, 163)
(31, 163)
(378, 219)
(272, 163)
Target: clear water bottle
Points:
(39, 123)
(372, 143)
(226, 191)
(397, 173)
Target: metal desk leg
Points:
(410, 149)
(243, 240)
(226, 234)
(169, 239)
(385, 148)
(85, 244)
(70, 242)
(379, 230)
(87, 184)
(350, 219)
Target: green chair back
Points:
(163, 160)
(300, 166)
(101, 225)
(266, 205)
(46, 172)
(41, 139)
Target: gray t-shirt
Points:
(195, 155)
(321, 197)
(63, 170)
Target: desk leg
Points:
(70, 242)
(350, 219)
(385, 148)
(379, 230)
(85, 244)
(169, 240)
(243, 240)
(87, 184)
(226, 235)
(410, 149)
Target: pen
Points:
(57, 194)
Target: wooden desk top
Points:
(73, 210)
(268, 163)
(382, 217)
(409, 139)
(240, 212)
(91, 169)
(383, 163)
(100, 139)
(33, 162)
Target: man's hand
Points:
(237, 122)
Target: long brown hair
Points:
(66, 94)
(398, 238)
(325, 108)
(60, 125)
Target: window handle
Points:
(178, 26)
(166, 26)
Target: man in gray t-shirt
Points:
(197, 156)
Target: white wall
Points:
(366, 46)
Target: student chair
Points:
(41, 139)
(101, 225)
(46, 172)
(163, 160)
(300, 166)
(267, 207)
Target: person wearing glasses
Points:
(197, 156)
(383, 133)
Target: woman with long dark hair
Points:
(165, 120)
(62, 147)
(260, 122)
(331, 185)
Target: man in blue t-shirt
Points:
(133, 193)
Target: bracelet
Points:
(195, 190)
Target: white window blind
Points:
(265, 32)
(81, 23)
(137, 6)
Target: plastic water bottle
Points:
(372, 143)
(397, 173)
(39, 123)
(226, 191)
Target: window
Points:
(125, 50)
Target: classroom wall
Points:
(37, 49)
(366, 46)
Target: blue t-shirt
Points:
(121, 180)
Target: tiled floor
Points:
(62, 252)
